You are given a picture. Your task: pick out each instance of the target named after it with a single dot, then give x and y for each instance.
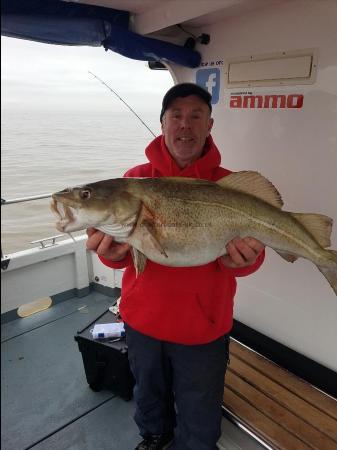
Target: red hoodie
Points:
(185, 305)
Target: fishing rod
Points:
(120, 98)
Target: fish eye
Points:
(85, 194)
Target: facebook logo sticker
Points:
(210, 80)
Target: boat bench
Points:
(281, 409)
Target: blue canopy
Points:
(63, 23)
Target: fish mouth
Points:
(63, 213)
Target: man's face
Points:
(186, 124)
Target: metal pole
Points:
(24, 199)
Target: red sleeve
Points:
(244, 271)
(143, 170)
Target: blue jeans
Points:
(178, 386)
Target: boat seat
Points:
(281, 409)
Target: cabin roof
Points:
(151, 16)
(151, 30)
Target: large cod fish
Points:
(188, 222)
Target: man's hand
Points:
(242, 252)
(106, 246)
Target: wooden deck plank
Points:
(290, 381)
(271, 432)
(295, 404)
(279, 414)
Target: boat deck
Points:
(46, 401)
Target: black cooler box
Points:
(106, 362)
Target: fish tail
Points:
(318, 225)
(330, 273)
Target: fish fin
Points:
(287, 256)
(330, 273)
(150, 239)
(252, 183)
(139, 260)
(318, 225)
(146, 231)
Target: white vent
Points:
(286, 68)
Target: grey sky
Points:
(36, 76)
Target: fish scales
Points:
(236, 210)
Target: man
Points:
(178, 319)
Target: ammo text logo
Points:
(209, 79)
(250, 101)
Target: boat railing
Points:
(24, 199)
(44, 242)
(57, 267)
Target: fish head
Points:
(94, 205)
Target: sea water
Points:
(43, 152)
